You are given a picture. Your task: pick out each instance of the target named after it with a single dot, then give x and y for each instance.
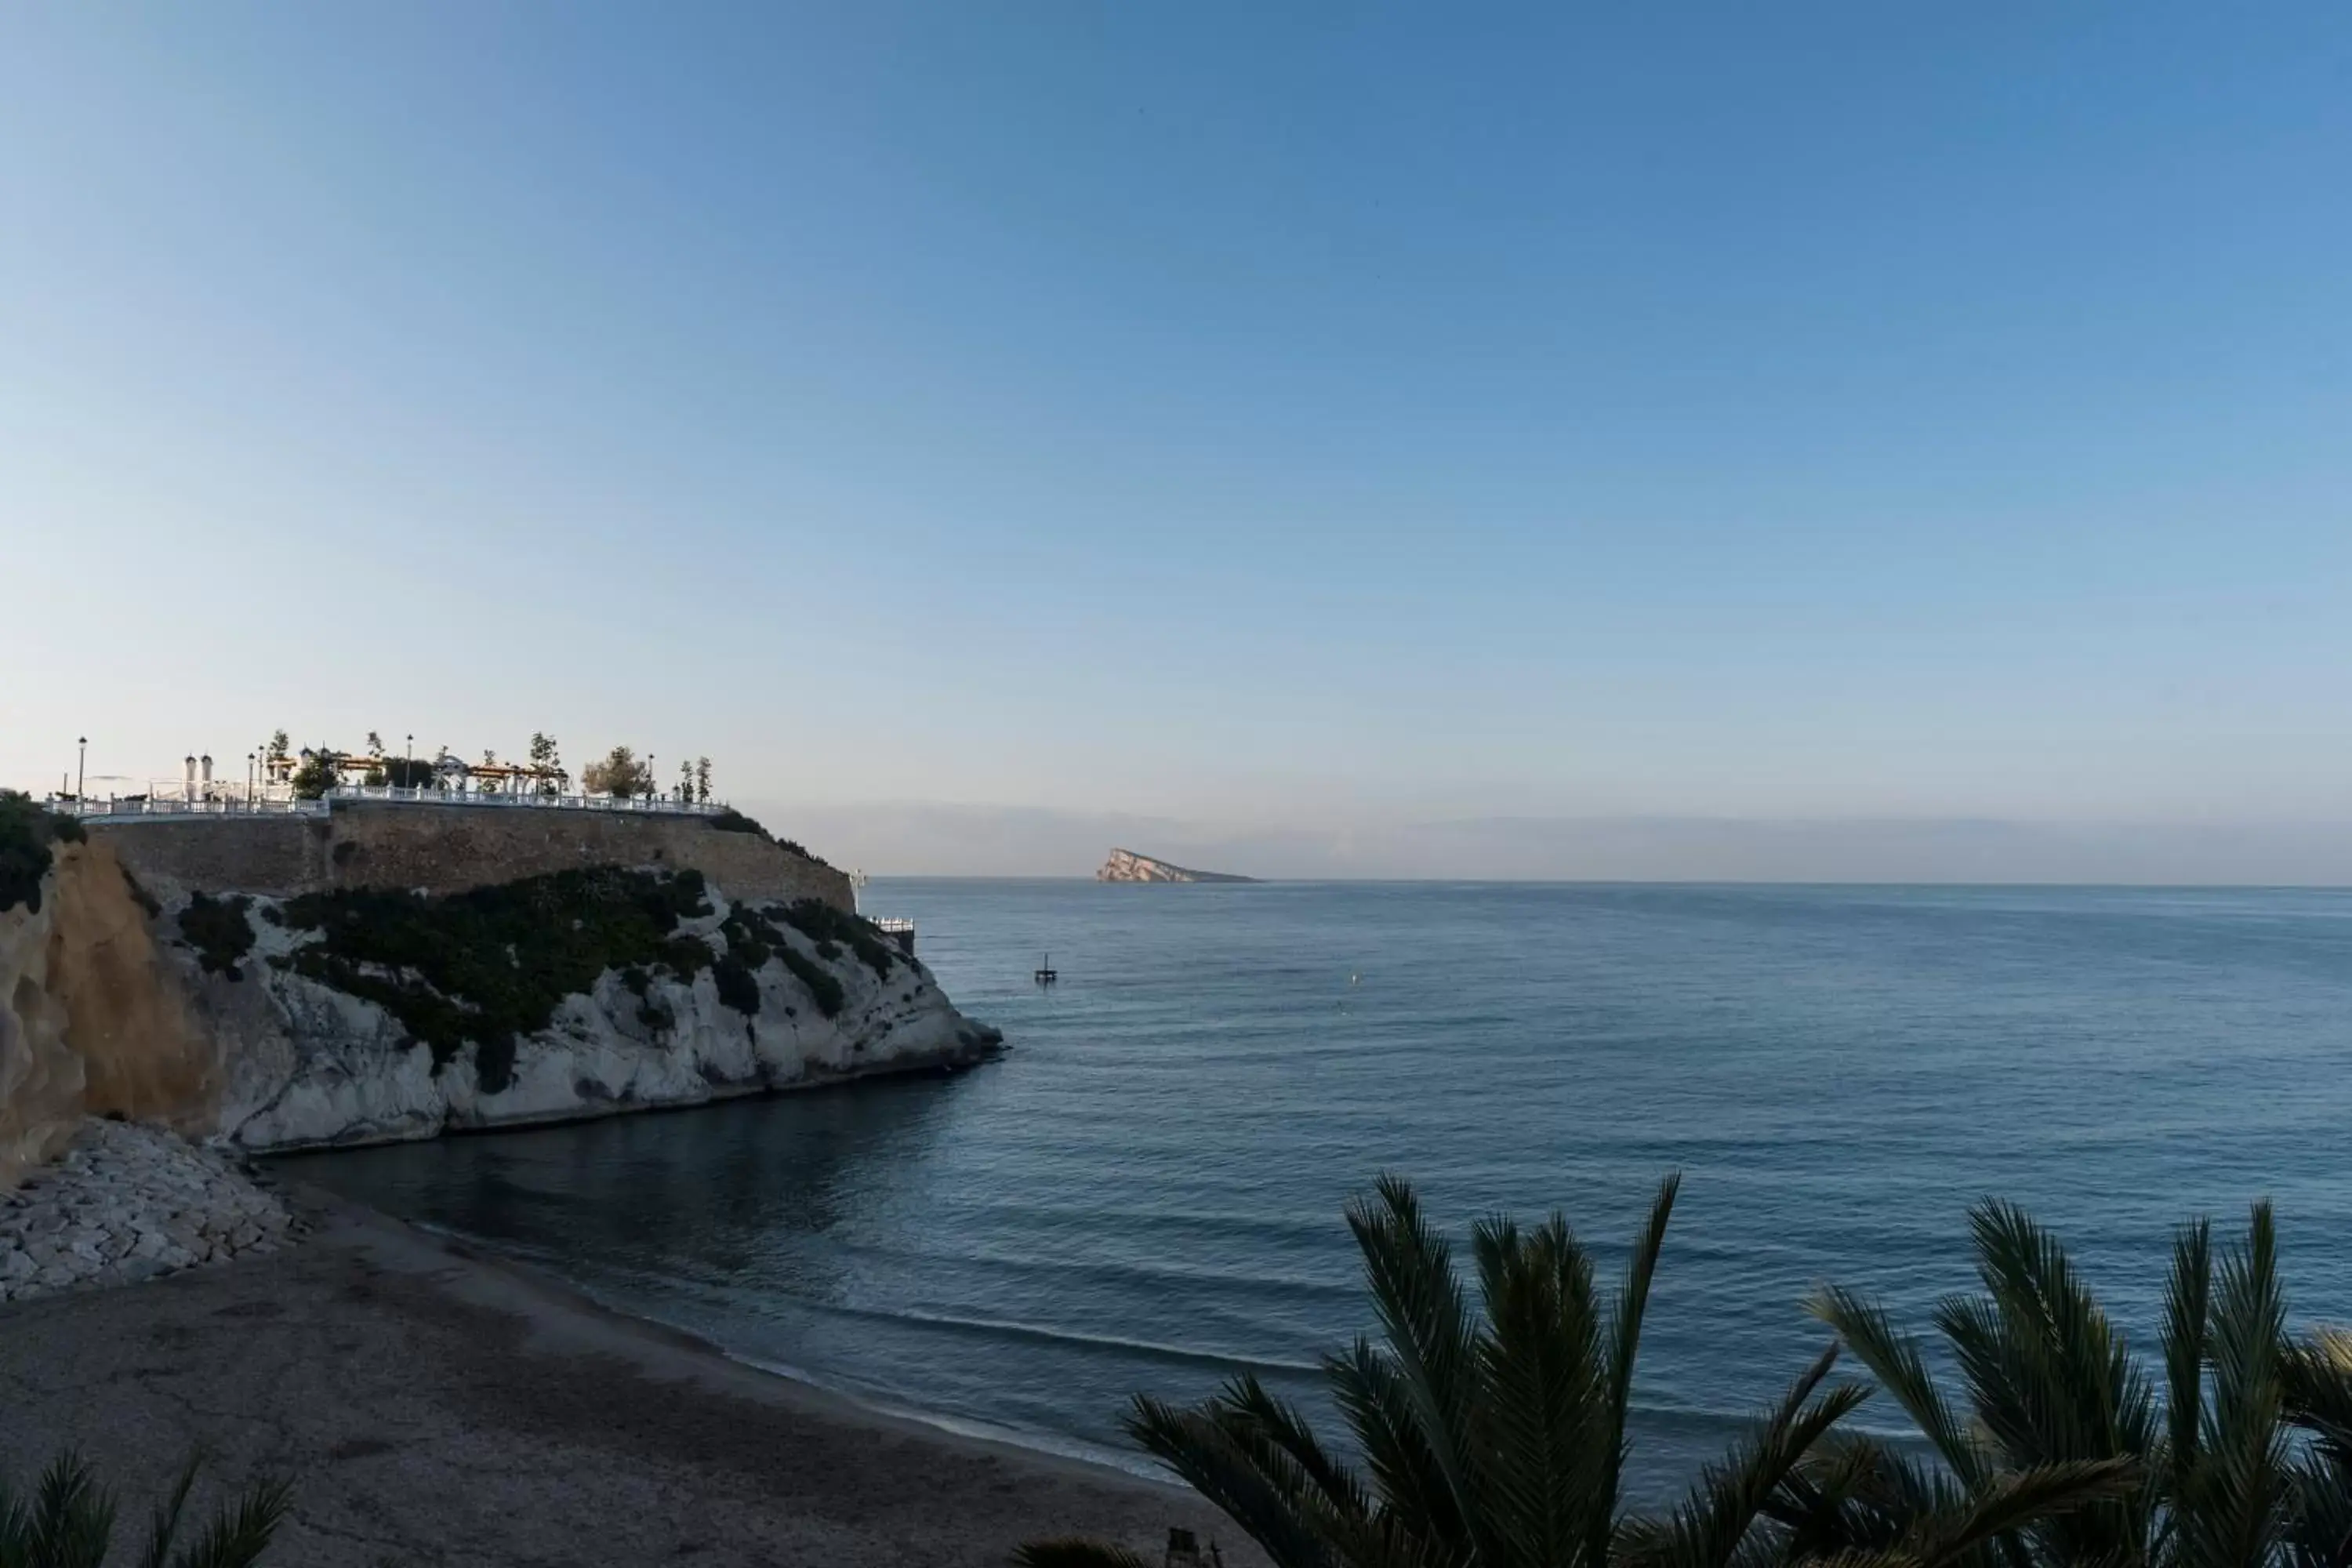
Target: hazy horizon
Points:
(1830, 444)
(929, 839)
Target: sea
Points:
(1147, 1193)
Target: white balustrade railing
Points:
(230, 801)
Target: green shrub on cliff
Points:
(823, 986)
(489, 966)
(738, 987)
(26, 834)
(822, 922)
(67, 1521)
(219, 930)
(753, 939)
(733, 821)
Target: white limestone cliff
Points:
(105, 1010)
(308, 1066)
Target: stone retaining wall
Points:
(450, 848)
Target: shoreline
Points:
(842, 1401)
(992, 1048)
(432, 1400)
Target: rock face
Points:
(145, 1056)
(196, 1009)
(127, 1203)
(41, 1079)
(1126, 865)
(308, 1065)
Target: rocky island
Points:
(1126, 865)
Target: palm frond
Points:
(2318, 1531)
(1718, 1519)
(2188, 1328)
(1624, 1350)
(1412, 1486)
(2009, 1503)
(1418, 1299)
(2240, 1489)
(1286, 1431)
(235, 1538)
(15, 1525)
(72, 1516)
(1541, 1388)
(1212, 1452)
(2074, 1391)
(1856, 1494)
(165, 1523)
(1897, 1362)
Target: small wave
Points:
(999, 1329)
(1057, 1443)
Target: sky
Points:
(1841, 440)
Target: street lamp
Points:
(250, 758)
(82, 768)
(408, 763)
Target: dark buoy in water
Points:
(1046, 974)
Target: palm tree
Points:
(2049, 1379)
(1496, 1439)
(69, 1522)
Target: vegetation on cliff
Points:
(753, 939)
(26, 833)
(832, 930)
(730, 820)
(488, 965)
(219, 930)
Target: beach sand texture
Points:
(433, 1406)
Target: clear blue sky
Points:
(1273, 417)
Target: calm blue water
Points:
(1146, 1195)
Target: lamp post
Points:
(652, 779)
(81, 769)
(408, 763)
(250, 758)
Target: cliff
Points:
(359, 1015)
(40, 1076)
(1126, 865)
(342, 1021)
(448, 847)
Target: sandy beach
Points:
(435, 1407)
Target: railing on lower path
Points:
(901, 931)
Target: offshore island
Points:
(360, 950)
(1126, 865)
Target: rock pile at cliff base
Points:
(127, 1203)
